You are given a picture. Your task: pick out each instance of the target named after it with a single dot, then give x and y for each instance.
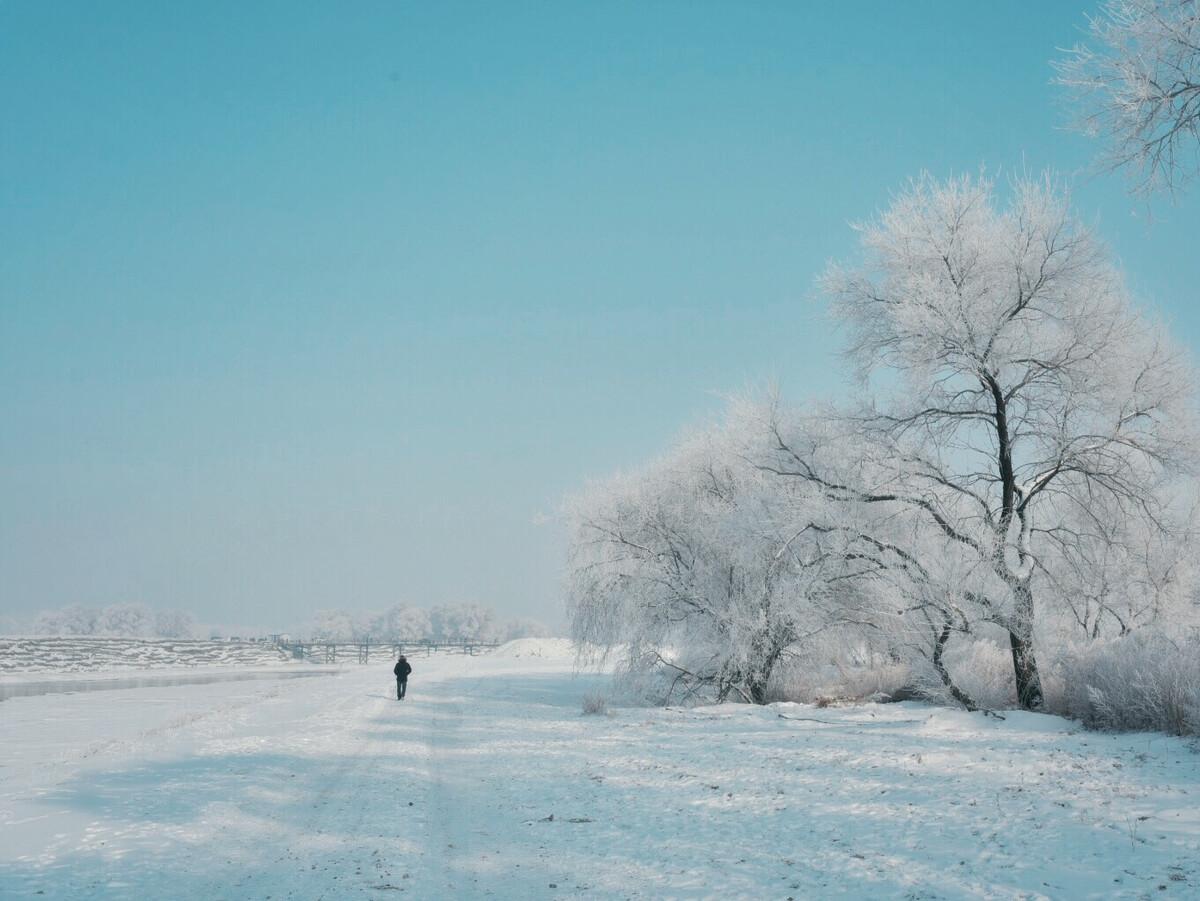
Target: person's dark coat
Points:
(402, 670)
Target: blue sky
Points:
(310, 305)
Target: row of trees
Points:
(1019, 467)
(116, 620)
(447, 622)
(1016, 469)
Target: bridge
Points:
(336, 650)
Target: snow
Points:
(548, 648)
(89, 654)
(488, 782)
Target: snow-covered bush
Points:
(1146, 681)
(595, 705)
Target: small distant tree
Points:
(328, 625)
(173, 624)
(70, 620)
(524, 628)
(126, 620)
(1138, 86)
(455, 622)
(403, 621)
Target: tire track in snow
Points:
(339, 814)
(448, 839)
(329, 846)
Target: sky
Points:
(330, 305)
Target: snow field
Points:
(546, 648)
(488, 782)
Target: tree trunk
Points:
(938, 664)
(1020, 632)
(1025, 668)
(758, 691)
(1029, 682)
(758, 680)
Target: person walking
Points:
(402, 669)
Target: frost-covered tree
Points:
(473, 622)
(404, 622)
(125, 620)
(173, 624)
(524, 628)
(1117, 575)
(457, 622)
(692, 567)
(1138, 85)
(1021, 393)
(330, 625)
(70, 620)
(840, 487)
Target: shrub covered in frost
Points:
(595, 705)
(1145, 681)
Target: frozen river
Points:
(11, 689)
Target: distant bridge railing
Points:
(337, 650)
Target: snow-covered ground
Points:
(487, 782)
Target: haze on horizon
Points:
(328, 307)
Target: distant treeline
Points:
(121, 620)
(473, 622)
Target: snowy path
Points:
(329, 788)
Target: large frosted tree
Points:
(1017, 393)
